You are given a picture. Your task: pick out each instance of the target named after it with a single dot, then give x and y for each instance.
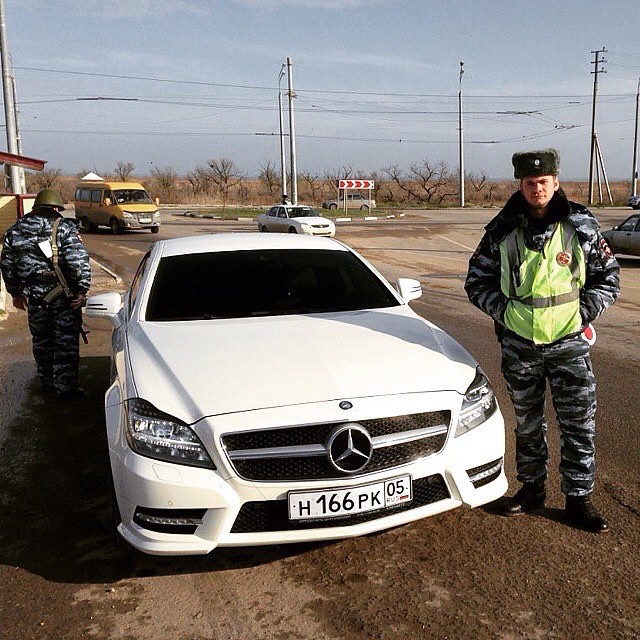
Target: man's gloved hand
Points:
(78, 301)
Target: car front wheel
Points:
(263, 229)
(333, 206)
(114, 226)
(292, 230)
(364, 207)
(86, 225)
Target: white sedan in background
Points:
(288, 393)
(290, 218)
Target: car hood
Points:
(311, 219)
(203, 368)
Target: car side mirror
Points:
(105, 305)
(409, 289)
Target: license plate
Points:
(334, 503)
(144, 220)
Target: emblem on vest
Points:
(563, 258)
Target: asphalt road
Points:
(462, 574)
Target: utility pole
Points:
(283, 162)
(634, 176)
(292, 136)
(597, 62)
(21, 178)
(460, 140)
(9, 107)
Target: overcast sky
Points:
(173, 83)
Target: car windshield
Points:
(301, 212)
(269, 282)
(136, 196)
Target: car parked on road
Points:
(625, 237)
(271, 389)
(634, 202)
(353, 201)
(292, 218)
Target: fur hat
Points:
(545, 162)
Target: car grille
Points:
(300, 453)
(273, 515)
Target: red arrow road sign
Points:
(355, 184)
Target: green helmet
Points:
(49, 198)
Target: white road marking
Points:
(464, 246)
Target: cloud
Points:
(309, 4)
(117, 9)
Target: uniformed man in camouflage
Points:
(49, 277)
(543, 272)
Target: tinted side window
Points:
(135, 284)
(629, 224)
(83, 195)
(96, 195)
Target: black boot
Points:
(583, 515)
(529, 497)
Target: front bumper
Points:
(231, 511)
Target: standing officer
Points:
(543, 272)
(46, 270)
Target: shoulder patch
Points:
(605, 248)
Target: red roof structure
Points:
(22, 161)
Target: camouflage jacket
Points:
(23, 261)
(602, 285)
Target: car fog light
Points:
(478, 405)
(155, 434)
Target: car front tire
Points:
(293, 230)
(333, 206)
(114, 226)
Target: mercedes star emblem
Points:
(349, 447)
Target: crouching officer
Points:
(46, 270)
(543, 272)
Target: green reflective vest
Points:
(543, 287)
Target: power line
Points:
(320, 91)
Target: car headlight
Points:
(157, 435)
(126, 214)
(156, 214)
(478, 405)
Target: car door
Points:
(624, 235)
(634, 240)
(282, 221)
(269, 217)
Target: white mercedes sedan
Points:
(276, 388)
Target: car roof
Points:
(292, 206)
(212, 242)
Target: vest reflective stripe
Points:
(544, 295)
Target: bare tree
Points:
(378, 183)
(313, 182)
(166, 182)
(270, 178)
(478, 181)
(47, 179)
(123, 170)
(199, 181)
(225, 175)
(397, 176)
(432, 178)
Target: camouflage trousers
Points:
(55, 331)
(566, 365)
